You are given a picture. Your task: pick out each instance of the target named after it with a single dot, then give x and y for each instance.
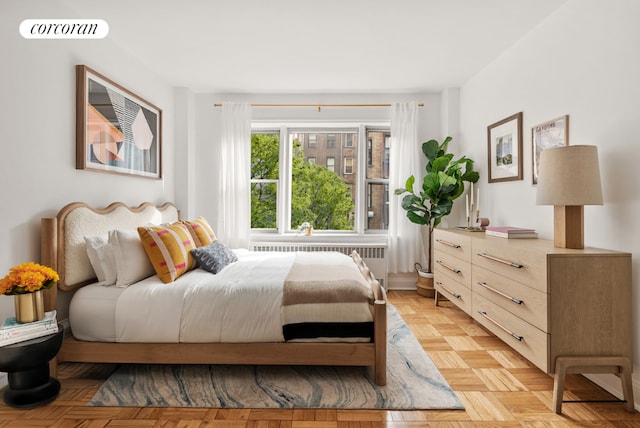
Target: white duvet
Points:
(242, 303)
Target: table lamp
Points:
(569, 179)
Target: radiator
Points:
(373, 255)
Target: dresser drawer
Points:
(455, 243)
(522, 301)
(512, 259)
(457, 293)
(524, 338)
(453, 267)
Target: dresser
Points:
(564, 310)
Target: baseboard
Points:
(401, 281)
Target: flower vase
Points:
(29, 307)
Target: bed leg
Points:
(380, 340)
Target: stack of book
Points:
(13, 332)
(511, 232)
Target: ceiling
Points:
(322, 46)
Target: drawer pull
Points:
(447, 243)
(513, 299)
(515, 336)
(496, 259)
(456, 295)
(444, 265)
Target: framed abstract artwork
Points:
(116, 130)
(553, 133)
(505, 149)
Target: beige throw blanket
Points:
(327, 300)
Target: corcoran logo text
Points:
(64, 29)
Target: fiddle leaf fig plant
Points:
(441, 185)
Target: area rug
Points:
(413, 382)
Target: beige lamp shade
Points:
(569, 178)
(569, 175)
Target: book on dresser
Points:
(510, 232)
(14, 332)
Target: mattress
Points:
(241, 304)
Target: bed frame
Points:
(63, 249)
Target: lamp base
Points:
(568, 226)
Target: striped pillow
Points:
(168, 249)
(201, 231)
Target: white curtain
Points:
(234, 206)
(405, 243)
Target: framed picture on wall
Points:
(116, 130)
(553, 133)
(504, 141)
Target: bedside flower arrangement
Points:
(25, 282)
(28, 278)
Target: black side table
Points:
(27, 366)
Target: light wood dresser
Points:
(564, 310)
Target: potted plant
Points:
(442, 184)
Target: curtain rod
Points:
(319, 106)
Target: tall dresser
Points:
(564, 310)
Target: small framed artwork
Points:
(554, 133)
(505, 149)
(116, 130)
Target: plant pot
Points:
(29, 307)
(424, 284)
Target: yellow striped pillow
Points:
(168, 249)
(201, 232)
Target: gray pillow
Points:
(213, 257)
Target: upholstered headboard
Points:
(63, 245)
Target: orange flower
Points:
(28, 278)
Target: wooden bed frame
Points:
(57, 235)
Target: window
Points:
(265, 165)
(348, 165)
(331, 164)
(377, 179)
(294, 181)
(331, 141)
(348, 142)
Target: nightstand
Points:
(27, 366)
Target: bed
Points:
(183, 336)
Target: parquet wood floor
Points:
(497, 387)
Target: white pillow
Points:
(101, 258)
(132, 263)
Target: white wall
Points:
(582, 61)
(38, 175)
